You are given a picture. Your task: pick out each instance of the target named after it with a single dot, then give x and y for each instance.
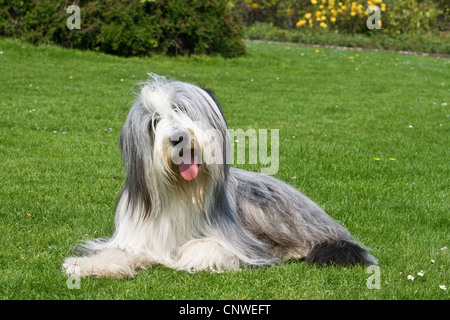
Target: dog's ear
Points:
(211, 93)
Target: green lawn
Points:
(61, 112)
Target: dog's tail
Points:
(340, 252)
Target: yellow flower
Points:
(333, 19)
(374, 8)
(357, 55)
(379, 22)
(323, 24)
(301, 23)
(377, 159)
(383, 7)
(318, 13)
(351, 58)
(314, 1)
(308, 15)
(28, 215)
(70, 77)
(353, 13)
(317, 51)
(392, 159)
(255, 5)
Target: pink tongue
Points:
(188, 171)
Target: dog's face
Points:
(188, 133)
(178, 144)
(175, 137)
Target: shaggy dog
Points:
(183, 206)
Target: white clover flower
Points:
(443, 287)
(410, 277)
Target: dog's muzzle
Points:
(184, 147)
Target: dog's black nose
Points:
(176, 141)
(179, 137)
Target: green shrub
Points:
(198, 26)
(412, 16)
(128, 28)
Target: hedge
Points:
(128, 27)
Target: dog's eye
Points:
(179, 108)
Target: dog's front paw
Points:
(108, 263)
(79, 266)
(205, 254)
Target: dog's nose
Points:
(176, 141)
(178, 137)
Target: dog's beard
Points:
(183, 164)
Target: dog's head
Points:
(175, 137)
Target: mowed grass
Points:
(61, 112)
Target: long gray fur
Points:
(224, 219)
